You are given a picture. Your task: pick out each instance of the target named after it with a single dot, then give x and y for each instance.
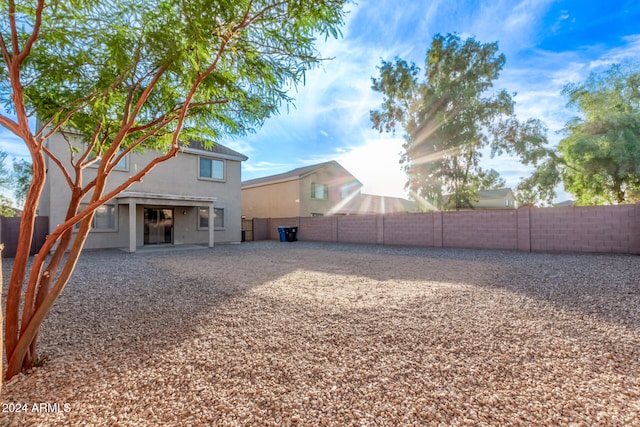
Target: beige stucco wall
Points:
(177, 176)
(271, 201)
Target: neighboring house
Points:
(501, 198)
(316, 190)
(193, 198)
(308, 191)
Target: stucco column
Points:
(211, 230)
(132, 226)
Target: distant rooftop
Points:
(292, 174)
(367, 204)
(497, 193)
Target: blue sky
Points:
(548, 43)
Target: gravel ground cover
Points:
(280, 334)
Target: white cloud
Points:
(239, 145)
(13, 145)
(263, 166)
(629, 51)
(539, 81)
(515, 27)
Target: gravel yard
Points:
(279, 334)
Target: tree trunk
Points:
(619, 192)
(1, 328)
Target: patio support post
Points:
(132, 226)
(211, 222)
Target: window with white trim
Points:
(105, 218)
(203, 218)
(211, 168)
(319, 191)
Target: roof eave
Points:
(248, 184)
(213, 154)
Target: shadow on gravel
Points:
(119, 299)
(122, 315)
(600, 285)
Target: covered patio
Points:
(157, 217)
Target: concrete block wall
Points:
(613, 229)
(597, 229)
(523, 229)
(412, 229)
(491, 229)
(261, 228)
(274, 223)
(319, 229)
(358, 229)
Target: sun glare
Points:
(377, 165)
(423, 203)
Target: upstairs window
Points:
(211, 169)
(319, 191)
(122, 164)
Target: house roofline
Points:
(287, 177)
(212, 154)
(275, 181)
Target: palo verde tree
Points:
(447, 118)
(131, 75)
(601, 147)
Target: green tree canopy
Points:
(447, 118)
(133, 75)
(601, 147)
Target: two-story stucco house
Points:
(316, 190)
(193, 198)
(308, 191)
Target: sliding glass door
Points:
(158, 226)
